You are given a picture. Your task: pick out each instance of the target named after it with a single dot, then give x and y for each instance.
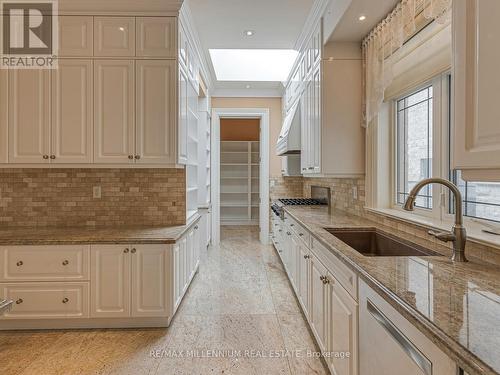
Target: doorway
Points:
(240, 170)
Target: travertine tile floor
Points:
(240, 316)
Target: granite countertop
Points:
(457, 306)
(93, 235)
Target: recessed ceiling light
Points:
(247, 86)
(249, 32)
(122, 29)
(362, 17)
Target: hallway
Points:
(239, 309)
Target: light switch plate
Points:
(96, 192)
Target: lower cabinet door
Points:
(342, 330)
(183, 265)
(190, 255)
(46, 300)
(318, 297)
(197, 245)
(303, 277)
(177, 287)
(150, 265)
(110, 281)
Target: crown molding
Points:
(207, 73)
(247, 93)
(119, 7)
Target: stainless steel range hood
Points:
(289, 139)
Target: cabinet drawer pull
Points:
(20, 263)
(137, 157)
(131, 157)
(126, 251)
(65, 300)
(301, 234)
(133, 251)
(288, 233)
(196, 227)
(292, 225)
(19, 301)
(52, 157)
(45, 157)
(65, 262)
(322, 278)
(326, 280)
(408, 347)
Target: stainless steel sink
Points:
(372, 242)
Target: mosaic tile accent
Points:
(64, 197)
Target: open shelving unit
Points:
(192, 165)
(239, 182)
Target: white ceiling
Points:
(351, 29)
(221, 24)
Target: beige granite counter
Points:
(93, 235)
(456, 305)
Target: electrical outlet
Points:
(355, 192)
(96, 192)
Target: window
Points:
(480, 200)
(414, 134)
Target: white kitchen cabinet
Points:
(114, 36)
(110, 281)
(476, 85)
(29, 116)
(150, 283)
(182, 126)
(44, 300)
(390, 345)
(44, 263)
(178, 283)
(76, 36)
(114, 94)
(304, 271)
(318, 298)
(156, 111)
(72, 92)
(156, 36)
(4, 116)
(342, 329)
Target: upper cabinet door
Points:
(72, 112)
(476, 84)
(76, 36)
(150, 270)
(4, 118)
(156, 111)
(29, 116)
(156, 36)
(114, 111)
(114, 36)
(183, 118)
(316, 121)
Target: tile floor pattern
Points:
(239, 301)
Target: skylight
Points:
(270, 65)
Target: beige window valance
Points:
(407, 19)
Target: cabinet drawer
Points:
(300, 231)
(114, 36)
(346, 277)
(26, 263)
(46, 300)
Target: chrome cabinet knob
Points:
(20, 263)
(19, 301)
(65, 300)
(65, 262)
(126, 251)
(133, 251)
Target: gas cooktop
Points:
(302, 202)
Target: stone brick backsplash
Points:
(286, 187)
(64, 197)
(341, 190)
(342, 199)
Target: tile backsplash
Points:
(342, 198)
(286, 187)
(64, 197)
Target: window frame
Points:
(440, 155)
